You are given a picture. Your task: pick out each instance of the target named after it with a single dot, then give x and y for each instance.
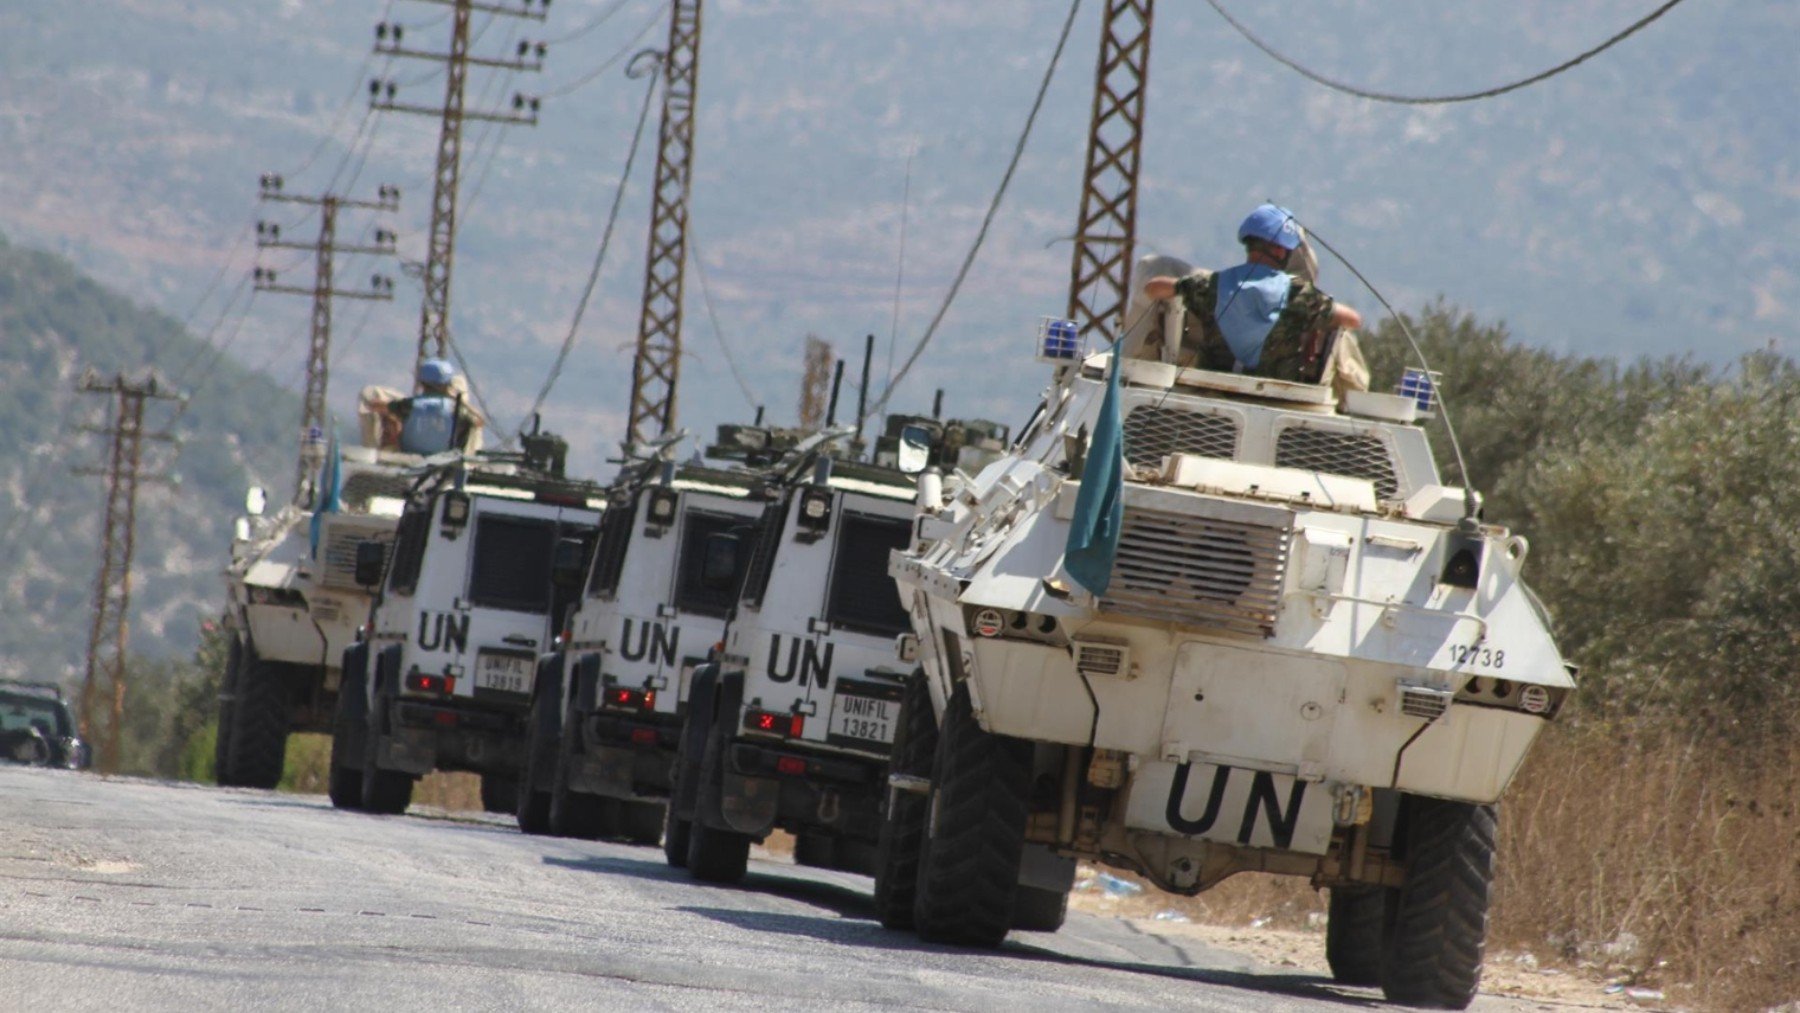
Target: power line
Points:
(612, 218)
(612, 61)
(1431, 100)
(713, 315)
(987, 219)
(618, 5)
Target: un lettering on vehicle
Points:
(1232, 805)
(444, 631)
(647, 639)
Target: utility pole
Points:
(434, 313)
(815, 384)
(313, 415)
(110, 629)
(657, 365)
(1106, 233)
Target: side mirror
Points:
(568, 563)
(256, 501)
(719, 564)
(914, 452)
(371, 557)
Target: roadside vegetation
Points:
(1653, 834)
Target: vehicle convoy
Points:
(790, 728)
(293, 606)
(36, 727)
(606, 707)
(489, 549)
(1307, 656)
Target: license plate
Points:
(864, 713)
(505, 672)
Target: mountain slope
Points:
(55, 323)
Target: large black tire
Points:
(387, 792)
(543, 734)
(348, 719)
(676, 839)
(903, 823)
(641, 822)
(257, 749)
(1036, 909)
(678, 832)
(1433, 955)
(1355, 930)
(715, 854)
(815, 850)
(499, 794)
(573, 813)
(975, 836)
(234, 659)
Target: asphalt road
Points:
(124, 894)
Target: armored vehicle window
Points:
(862, 595)
(1336, 452)
(609, 558)
(1153, 432)
(512, 563)
(409, 551)
(762, 559)
(691, 595)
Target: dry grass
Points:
(309, 756)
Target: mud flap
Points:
(586, 691)
(408, 750)
(1046, 870)
(604, 770)
(684, 801)
(748, 803)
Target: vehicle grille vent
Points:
(339, 550)
(1334, 452)
(326, 611)
(1110, 660)
(1199, 571)
(1424, 702)
(1153, 433)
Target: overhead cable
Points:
(713, 315)
(593, 279)
(986, 221)
(612, 61)
(1433, 100)
(600, 19)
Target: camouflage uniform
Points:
(1287, 354)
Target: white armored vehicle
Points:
(1309, 658)
(606, 709)
(293, 606)
(489, 551)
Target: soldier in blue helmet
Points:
(435, 419)
(1258, 317)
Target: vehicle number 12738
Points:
(1477, 655)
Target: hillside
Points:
(1638, 203)
(55, 322)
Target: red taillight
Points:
(789, 725)
(643, 736)
(419, 682)
(631, 699)
(790, 765)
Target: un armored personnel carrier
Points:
(489, 551)
(293, 606)
(1310, 658)
(607, 705)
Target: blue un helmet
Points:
(1272, 223)
(436, 373)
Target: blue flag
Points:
(329, 494)
(1100, 505)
